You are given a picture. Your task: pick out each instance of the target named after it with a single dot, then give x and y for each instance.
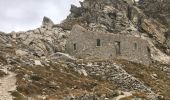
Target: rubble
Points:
(38, 63)
(113, 73)
(21, 52)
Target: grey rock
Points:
(47, 22)
(74, 9)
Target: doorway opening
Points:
(117, 47)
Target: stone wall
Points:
(83, 44)
(109, 71)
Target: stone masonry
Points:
(97, 45)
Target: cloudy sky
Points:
(19, 15)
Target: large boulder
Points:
(75, 10)
(47, 22)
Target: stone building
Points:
(97, 45)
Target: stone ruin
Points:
(89, 45)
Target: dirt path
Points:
(7, 84)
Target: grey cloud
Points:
(19, 15)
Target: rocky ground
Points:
(109, 79)
(44, 71)
(85, 81)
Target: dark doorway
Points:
(117, 47)
(98, 42)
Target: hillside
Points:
(41, 68)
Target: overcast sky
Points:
(20, 15)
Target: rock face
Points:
(97, 14)
(157, 9)
(160, 11)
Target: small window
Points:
(135, 46)
(75, 46)
(98, 42)
(149, 52)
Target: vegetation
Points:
(57, 82)
(151, 75)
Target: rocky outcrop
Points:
(47, 23)
(98, 15)
(158, 10)
(41, 41)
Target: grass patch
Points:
(17, 95)
(57, 81)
